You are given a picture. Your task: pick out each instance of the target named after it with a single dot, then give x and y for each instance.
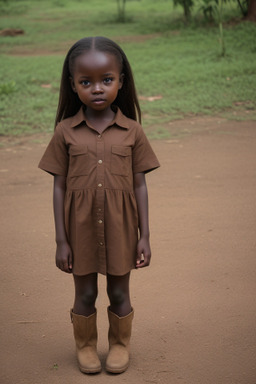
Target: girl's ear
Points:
(121, 80)
(72, 84)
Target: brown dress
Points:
(101, 217)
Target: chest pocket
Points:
(78, 160)
(121, 160)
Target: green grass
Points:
(178, 62)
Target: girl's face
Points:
(97, 79)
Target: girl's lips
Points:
(98, 101)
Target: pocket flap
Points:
(76, 150)
(121, 151)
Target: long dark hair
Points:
(126, 100)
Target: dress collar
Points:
(120, 119)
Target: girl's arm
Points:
(141, 195)
(63, 251)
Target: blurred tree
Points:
(187, 7)
(213, 10)
(219, 10)
(243, 5)
(208, 8)
(121, 10)
(251, 14)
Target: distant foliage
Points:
(121, 10)
(187, 6)
(243, 5)
(210, 8)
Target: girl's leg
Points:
(84, 319)
(86, 292)
(120, 315)
(119, 294)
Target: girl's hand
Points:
(143, 253)
(64, 257)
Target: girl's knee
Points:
(88, 297)
(116, 296)
(118, 289)
(86, 289)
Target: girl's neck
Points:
(99, 120)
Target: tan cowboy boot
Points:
(85, 333)
(119, 340)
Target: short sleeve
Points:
(143, 157)
(55, 159)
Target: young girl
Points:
(99, 156)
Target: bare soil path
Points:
(195, 307)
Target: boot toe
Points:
(88, 361)
(117, 360)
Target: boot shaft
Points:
(119, 342)
(120, 328)
(85, 329)
(85, 334)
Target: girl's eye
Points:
(85, 82)
(108, 80)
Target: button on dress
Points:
(101, 218)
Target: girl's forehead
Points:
(96, 60)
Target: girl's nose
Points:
(97, 88)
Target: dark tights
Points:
(86, 292)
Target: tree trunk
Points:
(251, 15)
(121, 10)
(187, 12)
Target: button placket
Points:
(100, 196)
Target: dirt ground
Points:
(195, 306)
